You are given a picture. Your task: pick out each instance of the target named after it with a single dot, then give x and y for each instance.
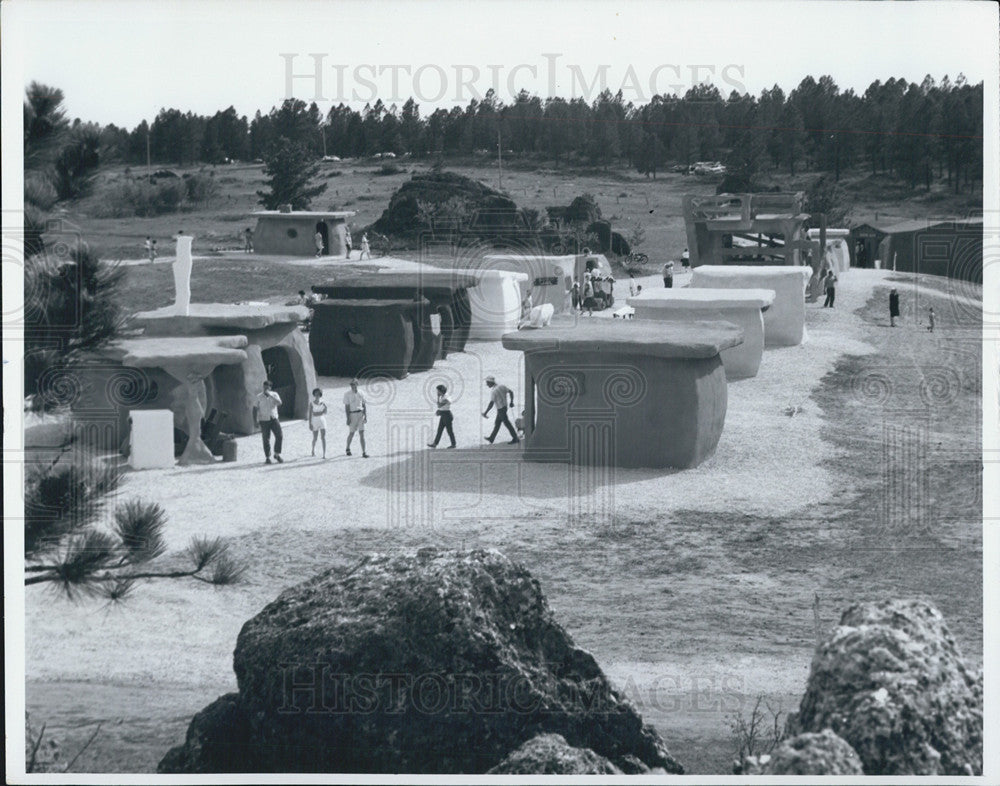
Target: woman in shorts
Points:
(317, 419)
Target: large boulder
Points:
(891, 681)
(218, 740)
(807, 754)
(430, 662)
(550, 754)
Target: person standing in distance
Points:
(445, 418)
(499, 395)
(668, 275)
(893, 307)
(356, 411)
(266, 413)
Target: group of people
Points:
(268, 403)
(596, 291)
(348, 245)
(501, 398)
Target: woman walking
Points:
(317, 419)
(445, 418)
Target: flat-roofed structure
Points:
(293, 233)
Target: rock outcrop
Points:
(550, 754)
(218, 740)
(891, 681)
(807, 754)
(433, 662)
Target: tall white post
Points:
(182, 275)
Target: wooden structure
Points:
(617, 393)
(765, 229)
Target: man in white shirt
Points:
(266, 414)
(356, 412)
(499, 395)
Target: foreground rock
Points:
(434, 662)
(807, 754)
(550, 754)
(891, 681)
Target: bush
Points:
(201, 188)
(389, 169)
(142, 198)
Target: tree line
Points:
(921, 133)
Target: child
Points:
(930, 320)
(317, 419)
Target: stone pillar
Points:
(182, 275)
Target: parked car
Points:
(388, 155)
(331, 159)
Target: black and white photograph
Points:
(497, 392)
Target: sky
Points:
(121, 62)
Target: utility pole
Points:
(149, 166)
(322, 130)
(499, 159)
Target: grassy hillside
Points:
(625, 197)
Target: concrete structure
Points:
(189, 361)
(618, 393)
(151, 439)
(292, 233)
(734, 228)
(445, 290)
(276, 349)
(496, 303)
(182, 274)
(741, 307)
(785, 320)
(550, 278)
(357, 338)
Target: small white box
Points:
(151, 439)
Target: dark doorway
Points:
(325, 232)
(279, 371)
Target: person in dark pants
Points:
(266, 413)
(893, 307)
(499, 395)
(668, 275)
(445, 418)
(831, 289)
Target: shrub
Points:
(389, 169)
(201, 188)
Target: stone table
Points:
(742, 307)
(624, 393)
(446, 290)
(785, 320)
(368, 337)
(188, 360)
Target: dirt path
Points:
(695, 590)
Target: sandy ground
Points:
(666, 602)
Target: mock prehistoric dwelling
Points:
(785, 320)
(742, 307)
(294, 232)
(594, 393)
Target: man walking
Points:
(266, 413)
(356, 411)
(501, 397)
